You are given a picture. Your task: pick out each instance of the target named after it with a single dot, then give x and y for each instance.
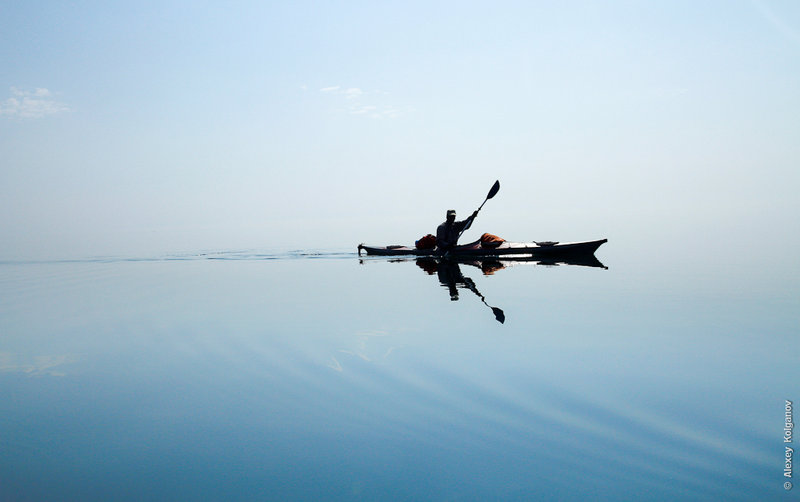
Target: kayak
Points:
(478, 249)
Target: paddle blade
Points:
(494, 190)
(499, 315)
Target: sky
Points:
(139, 128)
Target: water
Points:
(314, 375)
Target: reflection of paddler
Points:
(448, 272)
(450, 276)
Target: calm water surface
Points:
(319, 376)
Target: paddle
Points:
(495, 188)
(492, 193)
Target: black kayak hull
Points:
(475, 249)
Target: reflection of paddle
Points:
(495, 188)
(498, 312)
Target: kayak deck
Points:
(542, 249)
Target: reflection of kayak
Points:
(540, 249)
(490, 264)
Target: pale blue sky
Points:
(129, 128)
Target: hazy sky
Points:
(151, 127)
